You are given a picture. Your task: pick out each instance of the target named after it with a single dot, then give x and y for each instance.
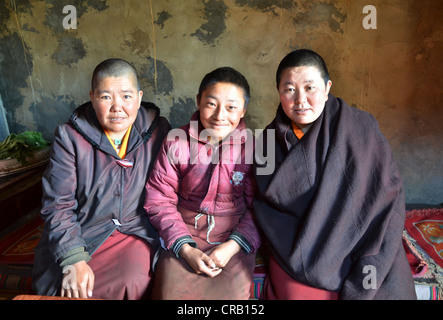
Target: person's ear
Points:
(328, 88)
(140, 96)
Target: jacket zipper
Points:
(122, 188)
(119, 214)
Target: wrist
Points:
(74, 256)
(185, 251)
(180, 242)
(241, 241)
(233, 245)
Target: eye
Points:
(127, 97)
(105, 97)
(310, 88)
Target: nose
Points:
(117, 104)
(299, 97)
(219, 113)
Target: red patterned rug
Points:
(18, 247)
(426, 227)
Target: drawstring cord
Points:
(211, 225)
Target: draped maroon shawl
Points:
(333, 209)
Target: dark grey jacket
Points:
(88, 194)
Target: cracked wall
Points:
(392, 71)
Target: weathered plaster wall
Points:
(393, 71)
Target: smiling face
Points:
(116, 101)
(221, 107)
(303, 94)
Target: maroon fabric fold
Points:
(279, 285)
(122, 268)
(334, 206)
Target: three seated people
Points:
(124, 193)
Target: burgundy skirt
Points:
(279, 285)
(175, 280)
(122, 268)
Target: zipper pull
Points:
(125, 163)
(116, 222)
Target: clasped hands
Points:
(212, 262)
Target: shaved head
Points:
(113, 68)
(303, 58)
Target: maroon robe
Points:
(333, 209)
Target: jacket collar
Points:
(283, 128)
(86, 123)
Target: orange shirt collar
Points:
(297, 131)
(124, 146)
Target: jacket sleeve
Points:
(162, 199)
(246, 231)
(59, 184)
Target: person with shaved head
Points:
(97, 241)
(332, 212)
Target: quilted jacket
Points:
(213, 181)
(88, 192)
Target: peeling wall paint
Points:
(392, 72)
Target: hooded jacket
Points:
(89, 192)
(214, 181)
